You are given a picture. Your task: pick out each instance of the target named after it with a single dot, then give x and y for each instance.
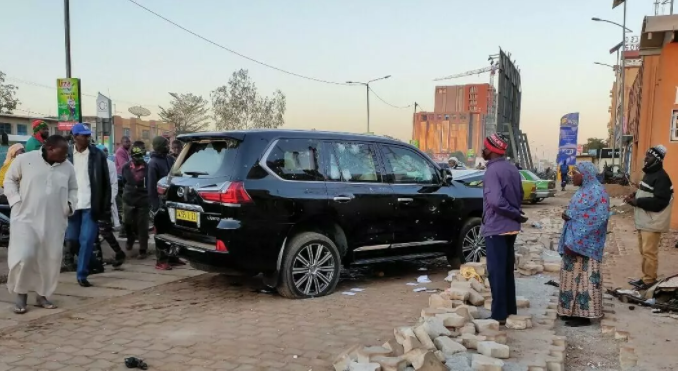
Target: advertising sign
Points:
(414, 143)
(568, 139)
(103, 106)
(68, 102)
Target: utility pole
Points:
(67, 37)
(623, 86)
(368, 94)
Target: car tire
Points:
(470, 237)
(321, 278)
(534, 201)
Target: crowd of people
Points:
(64, 194)
(583, 238)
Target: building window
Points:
(22, 129)
(423, 117)
(145, 134)
(126, 132)
(674, 125)
(446, 117)
(6, 127)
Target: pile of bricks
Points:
(529, 261)
(450, 335)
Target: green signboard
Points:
(68, 100)
(414, 142)
(471, 153)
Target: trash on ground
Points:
(420, 289)
(349, 293)
(357, 289)
(134, 362)
(423, 279)
(552, 283)
(536, 225)
(422, 269)
(411, 284)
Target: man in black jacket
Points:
(136, 200)
(652, 202)
(160, 164)
(94, 200)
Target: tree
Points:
(595, 143)
(188, 112)
(238, 106)
(8, 100)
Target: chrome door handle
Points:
(405, 200)
(342, 199)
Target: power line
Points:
(235, 52)
(392, 105)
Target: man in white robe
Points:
(42, 189)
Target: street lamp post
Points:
(67, 37)
(368, 92)
(624, 30)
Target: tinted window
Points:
(408, 166)
(352, 162)
(295, 159)
(206, 158)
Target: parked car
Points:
(475, 177)
(544, 188)
(296, 205)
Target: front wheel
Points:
(310, 267)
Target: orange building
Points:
(632, 68)
(469, 98)
(653, 109)
(138, 129)
(448, 132)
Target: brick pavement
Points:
(211, 322)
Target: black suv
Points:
(296, 205)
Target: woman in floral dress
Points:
(581, 246)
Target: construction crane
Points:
(490, 123)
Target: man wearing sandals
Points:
(42, 189)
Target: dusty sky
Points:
(136, 58)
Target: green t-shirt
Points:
(32, 144)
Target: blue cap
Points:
(81, 129)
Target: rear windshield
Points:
(206, 158)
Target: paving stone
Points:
(458, 362)
(516, 322)
(621, 336)
(423, 336)
(452, 320)
(354, 366)
(431, 312)
(400, 333)
(475, 298)
(552, 267)
(470, 341)
(391, 363)
(477, 285)
(411, 343)
(468, 328)
(396, 348)
(437, 301)
(484, 363)
(522, 302)
(557, 351)
(347, 356)
(448, 346)
(459, 293)
(500, 337)
(486, 324)
(554, 363)
(428, 362)
(493, 349)
(365, 355)
(488, 303)
(559, 340)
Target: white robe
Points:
(39, 194)
(113, 176)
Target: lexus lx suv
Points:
(298, 205)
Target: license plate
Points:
(187, 215)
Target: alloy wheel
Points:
(313, 269)
(474, 247)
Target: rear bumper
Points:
(542, 194)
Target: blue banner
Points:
(568, 139)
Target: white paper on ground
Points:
(348, 293)
(422, 269)
(357, 289)
(423, 279)
(419, 289)
(411, 284)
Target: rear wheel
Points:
(471, 243)
(310, 267)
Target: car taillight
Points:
(533, 189)
(161, 189)
(234, 193)
(221, 247)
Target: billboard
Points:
(568, 144)
(69, 110)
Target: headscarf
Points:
(585, 233)
(12, 153)
(496, 144)
(38, 125)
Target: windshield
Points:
(530, 175)
(206, 158)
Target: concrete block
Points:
(484, 363)
(621, 336)
(431, 312)
(440, 355)
(470, 341)
(411, 343)
(486, 283)
(477, 285)
(459, 293)
(464, 312)
(559, 340)
(396, 348)
(391, 363)
(551, 313)
(424, 337)
(554, 363)
(370, 366)
(365, 355)
(468, 328)
(437, 301)
(515, 322)
(522, 302)
(552, 267)
(458, 362)
(558, 351)
(444, 295)
(487, 303)
(608, 328)
(346, 357)
(486, 324)
(537, 365)
(493, 349)
(400, 333)
(475, 298)
(452, 320)
(424, 360)
(435, 327)
(448, 346)
(474, 312)
(552, 306)
(500, 337)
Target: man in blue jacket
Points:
(501, 223)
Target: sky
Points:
(124, 52)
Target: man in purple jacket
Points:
(501, 223)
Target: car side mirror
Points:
(446, 177)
